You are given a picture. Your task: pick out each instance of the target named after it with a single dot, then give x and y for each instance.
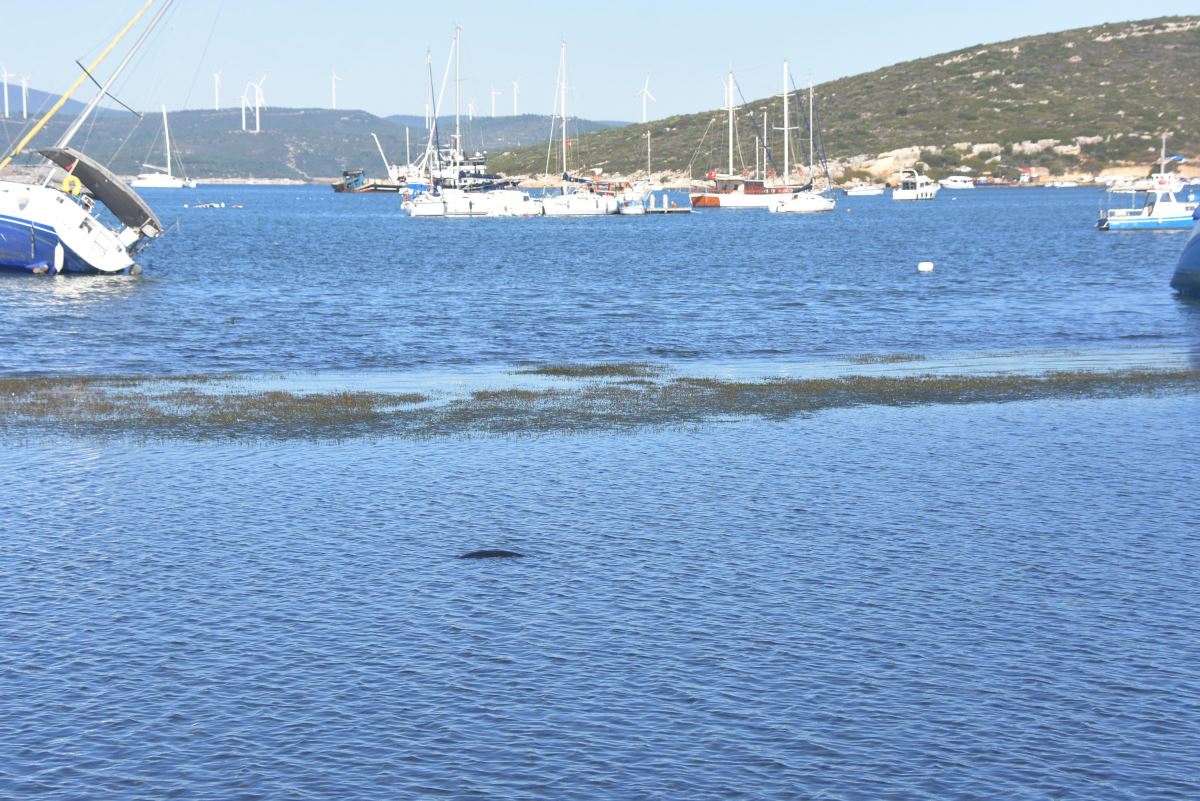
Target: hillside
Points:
(1076, 100)
(1113, 87)
(300, 144)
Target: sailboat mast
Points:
(812, 132)
(167, 139)
(562, 68)
(785, 123)
(79, 81)
(457, 92)
(763, 174)
(729, 106)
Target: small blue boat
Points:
(1155, 202)
(1187, 273)
(1160, 210)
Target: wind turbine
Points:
(495, 94)
(4, 76)
(516, 91)
(217, 92)
(471, 109)
(259, 101)
(24, 97)
(645, 93)
(333, 87)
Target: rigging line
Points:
(109, 95)
(203, 53)
(553, 117)
(700, 144)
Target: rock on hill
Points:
(1082, 99)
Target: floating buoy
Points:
(925, 267)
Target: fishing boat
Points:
(1154, 203)
(865, 190)
(914, 186)
(1186, 279)
(957, 182)
(579, 197)
(57, 228)
(162, 177)
(760, 190)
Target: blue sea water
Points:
(303, 279)
(969, 602)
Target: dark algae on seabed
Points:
(191, 408)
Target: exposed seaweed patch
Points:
(145, 408)
(596, 370)
(886, 358)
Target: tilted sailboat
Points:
(162, 177)
(55, 229)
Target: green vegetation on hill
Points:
(1116, 86)
(1125, 83)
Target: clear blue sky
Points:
(378, 47)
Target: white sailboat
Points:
(806, 200)
(578, 198)
(162, 177)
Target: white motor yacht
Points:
(914, 186)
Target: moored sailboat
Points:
(578, 197)
(162, 177)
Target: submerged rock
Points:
(491, 553)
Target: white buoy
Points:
(925, 267)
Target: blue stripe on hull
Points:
(1153, 223)
(25, 245)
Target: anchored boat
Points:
(914, 186)
(760, 189)
(1154, 202)
(162, 177)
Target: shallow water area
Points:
(979, 596)
(926, 602)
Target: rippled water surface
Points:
(304, 279)
(936, 602)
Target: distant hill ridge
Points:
(1073, 100)
(301, 144)
(1101, 95)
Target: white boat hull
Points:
(39, 224)
(803, 203)
(922, 193)
(154, 180)
(579, 204)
